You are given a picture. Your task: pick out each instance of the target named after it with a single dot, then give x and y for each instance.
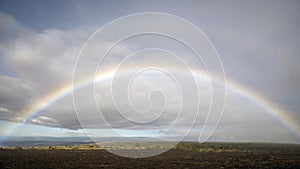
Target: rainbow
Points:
(67, 89)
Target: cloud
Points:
(46, 121)
(15, 94)
(44, 61)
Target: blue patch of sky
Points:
(41, 15)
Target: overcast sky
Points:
(257, 41)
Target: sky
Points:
(257, 43)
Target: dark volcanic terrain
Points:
(185, 155)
